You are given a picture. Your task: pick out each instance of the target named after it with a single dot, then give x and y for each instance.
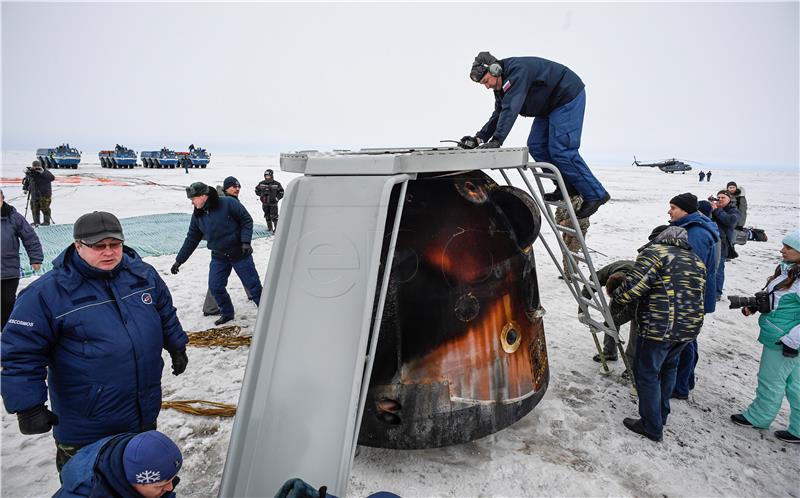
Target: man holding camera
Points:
(37, 184)
(270, 192)
(725, 214)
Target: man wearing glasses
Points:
(91, 332)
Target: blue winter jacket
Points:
(532, 86)
(96, 338)
(97, 471)
(15, 227)
(224, 223)
(703, 236)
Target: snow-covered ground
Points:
(572, 444)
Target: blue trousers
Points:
(218, 272)
(688, 361)
(720, 275)
(556, 139)
(655, 370)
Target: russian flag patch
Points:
(506, 86)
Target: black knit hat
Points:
(685, 201)
(732, 183)
(96, 226)
(230, 182)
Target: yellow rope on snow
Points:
(226, 337)
(212, 408)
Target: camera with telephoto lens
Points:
(759, 302)
(711, 198)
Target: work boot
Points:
(553, 196)
(269, 226)
(46, 218)
(223, 319)
(635, 425)
(787, 437)
(609, 357)
(588, 208)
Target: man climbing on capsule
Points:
(554, 95)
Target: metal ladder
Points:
(573, 275)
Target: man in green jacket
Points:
(667, 283)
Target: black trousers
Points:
(9, 297)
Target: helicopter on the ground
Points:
(667, 165)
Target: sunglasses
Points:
(102, 247)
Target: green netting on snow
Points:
(150, 235)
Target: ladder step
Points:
(590, 303)
(566, 229)
(560, 204)
(550, 176)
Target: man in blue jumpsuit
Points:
(91, 331)
(555, 96)
(228, 228)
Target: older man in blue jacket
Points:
(704, 239)
(555, 96)
(91, 331)
(228, 229)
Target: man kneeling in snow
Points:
(124, 466)
(667, 280)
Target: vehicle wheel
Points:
(114, 164)
(74, 166)
(203, 165)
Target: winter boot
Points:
(269, 226)
(635, 425)
(787, 436)
(46, 219)
(223, 319)
(738, 419)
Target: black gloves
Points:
(36, 420)
(787, 351)
(469, 142)
(179, 361)
(175, 267)
(491, 144)
(247, 249)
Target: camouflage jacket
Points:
(667, 280)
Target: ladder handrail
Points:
(539, 171)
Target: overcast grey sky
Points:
(714, 82)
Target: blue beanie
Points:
(230, 182)
(792, 240)
(151, 457)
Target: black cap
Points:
(268, 172)
(196, 189)
(685, 201)
(732, 183)
(230, 182)
(96, 226)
